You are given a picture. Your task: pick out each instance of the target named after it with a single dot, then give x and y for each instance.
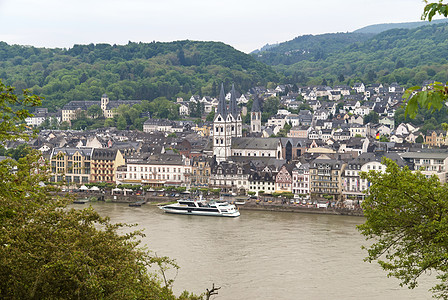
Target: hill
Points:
(307, 47)
(132, 71)
(406, 56)
(378, 28)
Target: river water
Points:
(265, 255)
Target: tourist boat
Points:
(202, 208)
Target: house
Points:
(262, 182)
(277, 120)
(71, 166)
(404, 129)
(395, 88)
(104, 165)
(162, 125)
(158, 171)
(344, 89)
(184, 110)
(357, 130)
(283, 179)
(435, 138)
(309, 96)
(194, 98)
(335, 96)
(230, 177)
(354, 187)
(428, 163)
(299, 132)
(321, 114)
(40, 115)
(351, 105)
(326, 177)
(73, 109)
(388, 122)
(314, 104)
(200, 171)
(396, 138)
(243, 99)
(301, 180)
(322, 91)
(359, 87)
(361, 110)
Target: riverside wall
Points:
(301, 209)
(249, 205)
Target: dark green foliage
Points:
(424, 118)
(405, 56)
(270, 108)
(309, 47)
(372, 117)
(132, 71)
(49, 251)
(378, 28)
(406, 219)
(420, 139)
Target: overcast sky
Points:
(244, 24)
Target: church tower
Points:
(236, 122)
(104, 103)
(255, 116)
(226, 125)
(221, 135)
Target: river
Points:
(265, 255)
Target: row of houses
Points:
(314, 171)
(375, 97)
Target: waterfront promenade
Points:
(268, 204)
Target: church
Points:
(226, 125)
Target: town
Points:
(311, 151)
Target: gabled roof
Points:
(255, 143)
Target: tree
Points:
(372, 117)
(12, 124)
(406, 212)
(48, 251)
(436, 94)
(210, 116)
(121, 123)
(407, 219)
(384, 138)
(94, 111)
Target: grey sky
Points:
(243, 24)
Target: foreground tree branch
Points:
(410, 236)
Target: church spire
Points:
(222, 106)
(233, 107)
(256, 104)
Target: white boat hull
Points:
(202, 208)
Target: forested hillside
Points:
(132, 71)
(406, 56)
(308, 47)
(378, 28)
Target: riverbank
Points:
(275, 206)
(296, 208)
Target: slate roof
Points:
(222, 106)
(71, 151)
(83, 105)
(256, 105)
(104, 154)
(255, 143)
